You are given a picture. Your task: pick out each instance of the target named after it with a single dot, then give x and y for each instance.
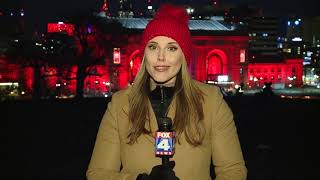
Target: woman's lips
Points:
(161, 68)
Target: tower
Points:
(105, 8)
(125, 8)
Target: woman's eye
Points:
(152, 47)
(172, 48)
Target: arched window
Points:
(214, 65)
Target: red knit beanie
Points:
(170, 21)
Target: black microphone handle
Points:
(165, 161)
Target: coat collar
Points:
(153, 120)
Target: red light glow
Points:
(61, 27)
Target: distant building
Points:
(125, 8)
(311, 30)
(263, 44)
(281, 75)
(61, 27)
(294, 43)
(303, 41)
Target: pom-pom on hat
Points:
(173, 22)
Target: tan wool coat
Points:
(221, 144)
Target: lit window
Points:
(116, 56)
(223, 78)
(242, 55)
(279, 77)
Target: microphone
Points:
(164, 140)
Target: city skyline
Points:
(258, 39)
(51, 9)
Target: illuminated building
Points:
(14, 78)
(285, 74)
(220, 56)
(61, 27)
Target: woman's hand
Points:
(160, 172)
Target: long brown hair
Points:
(189, 112)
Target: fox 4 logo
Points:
(164, 143)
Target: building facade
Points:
(220, 56)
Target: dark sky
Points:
(283, 7)
(40, 10)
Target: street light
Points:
(190, 10)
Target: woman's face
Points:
(163, 58)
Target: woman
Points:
(202, 120)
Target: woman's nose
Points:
(161, 55)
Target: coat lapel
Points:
(153, 126)
(172, 109)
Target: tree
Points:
(54, 49)
(85, 34)
(105, 35)
(23, 51)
